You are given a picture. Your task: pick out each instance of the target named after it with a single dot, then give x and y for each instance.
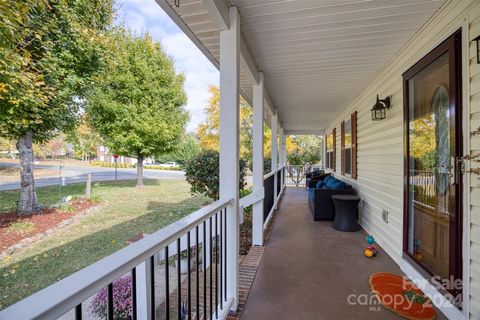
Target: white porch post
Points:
(229, 144)
(281, 158)
(258, 162)
(143, 294)
(274, 127)
(324, 154)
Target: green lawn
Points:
(129, 212)
(49, 196)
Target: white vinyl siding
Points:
(474, 31)
(380, 144)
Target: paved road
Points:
(77, 174)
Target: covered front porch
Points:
(307, 67)
(311, 271)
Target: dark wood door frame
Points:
(453, 45)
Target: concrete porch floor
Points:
(309, 270)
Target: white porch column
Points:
(274, 127)
(258, 161)
(229, 144)
(283, 153)
(324, 154)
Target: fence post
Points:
(88, 188)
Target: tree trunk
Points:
(28, 198)
(139, 171)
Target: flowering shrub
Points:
(122, 300)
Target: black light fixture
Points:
(379, 110)
(477, 40)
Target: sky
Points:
(146, 15)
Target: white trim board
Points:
(467, 150)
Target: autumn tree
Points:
(208, 131)
(300, 149)
(84, 140)
(138, 104)
(7, 148)
(423, 144)
(53, 148)
(49, 52)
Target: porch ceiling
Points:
(316, 55)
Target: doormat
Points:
(401, 296)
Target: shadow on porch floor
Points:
(309, 270)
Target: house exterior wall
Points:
(380, 144)
(103, 154)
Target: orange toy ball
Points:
(368, 253)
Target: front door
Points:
(433, 149)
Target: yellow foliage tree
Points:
(208, 131)
(422, 136)
(423, 144)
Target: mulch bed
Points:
(46, 219)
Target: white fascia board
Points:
(218, 11)
(179, 22)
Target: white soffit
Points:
(316, 55)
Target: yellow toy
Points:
(369, 253)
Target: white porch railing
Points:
(295, 174)
(139, 260)
(272, 194)
(201, 236)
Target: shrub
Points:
(160, 167)
(246, 226)
(66, 208)
(202, 173)
(96, 199)
(122, 300)
(111, 164)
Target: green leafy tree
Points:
(188, 149)
(304, 150)
(138, 104)
(202, 173)
(48, 54)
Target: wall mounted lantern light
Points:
(477, 40)
(379, 110)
